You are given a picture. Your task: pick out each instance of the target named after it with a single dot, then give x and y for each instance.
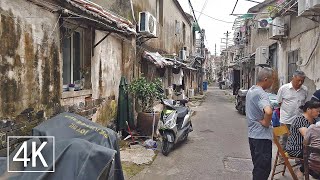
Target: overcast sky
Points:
(219, 9)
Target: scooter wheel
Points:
(166, 147)
(186, 137)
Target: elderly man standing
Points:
(259, 113)
(290, 97)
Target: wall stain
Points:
(107, 112)
(9, 87)
(55, 74)
(30, 84)
(19, 78)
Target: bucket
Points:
(190, 93)
(205, 86)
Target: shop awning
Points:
(156, 59)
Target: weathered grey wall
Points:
(303, 34)
(106, 72)
(259, 37)
(29, 58)
(106, 63)
(120, 7)
(167, 40)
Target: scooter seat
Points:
(182, 111)
(243, 92)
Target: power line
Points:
(215, 18)
(203, 7)
(235, 5)
(254, 1)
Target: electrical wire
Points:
(132, 12)
(54, 28)
(234, 6)
(312, 52)
(203, 7)
(214, 18)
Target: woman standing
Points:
(299, 127)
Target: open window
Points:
(74, 67)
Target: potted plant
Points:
(146, 93)
(71, 87)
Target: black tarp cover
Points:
(84, 150)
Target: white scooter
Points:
(175, 123)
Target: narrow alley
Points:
(216, 149)
(97, 89)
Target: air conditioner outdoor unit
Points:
(183, 55)
(264, 23)
(147, 24)
(277, 28)
(262, 55)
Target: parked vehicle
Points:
(273, 101)
(241, 101)
(175, 123)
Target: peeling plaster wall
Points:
(303, 36)
(29, 58)
(129, 59)
(106, 63)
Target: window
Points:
(184, 33)
(293, 57)
(72, 56)
(178, 28)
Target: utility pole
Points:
(202, 34)
(226, 51)
(215, 50)
(227, 39)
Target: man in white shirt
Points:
(290, 97)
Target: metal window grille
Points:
(293, 57)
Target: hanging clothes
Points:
(177, 77)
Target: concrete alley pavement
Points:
(216, 149)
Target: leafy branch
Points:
(147, 93)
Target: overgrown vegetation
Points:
(146, 92)
(131, 169)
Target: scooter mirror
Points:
(183, 101)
